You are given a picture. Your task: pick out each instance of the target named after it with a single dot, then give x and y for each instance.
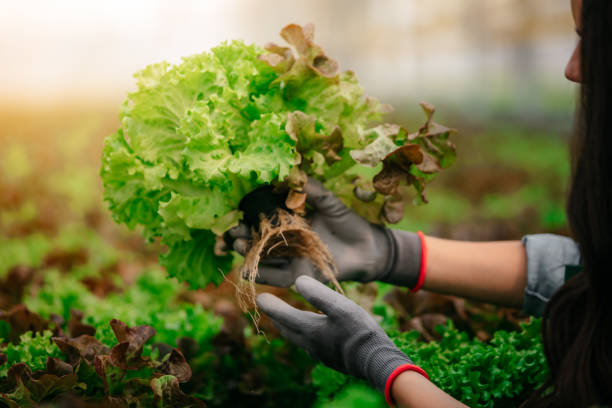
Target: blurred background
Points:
(502, 55)
(493, 68)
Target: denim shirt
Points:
(548, 257)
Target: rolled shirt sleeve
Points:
(547, 258)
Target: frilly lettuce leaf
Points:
(407, 159)
(198, 136)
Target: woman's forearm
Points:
(493, 272)
(412, 390)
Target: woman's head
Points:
(572, 70)
(577, 324)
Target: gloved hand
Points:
(362, 251)
(345, 338)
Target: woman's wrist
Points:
(399, 370)
(410, 389)
(405, 385)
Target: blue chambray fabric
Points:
(547, 257)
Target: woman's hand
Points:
(345, 337)
(362, 251)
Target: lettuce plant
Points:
(196, 137)
(33, 348)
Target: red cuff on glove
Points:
(423, 267)
(393, 376)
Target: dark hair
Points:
(577, 323)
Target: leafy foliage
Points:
(354, 395)
(26, 251)
(151, 300)
(25, 388)
(195, 138)
(33, 348)
(120, 375)
(251, 362)
(477, 373)
(229, 364)
(500, 373)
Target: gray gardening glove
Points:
(362, 251)
(345, 338)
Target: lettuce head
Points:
(198, 136)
